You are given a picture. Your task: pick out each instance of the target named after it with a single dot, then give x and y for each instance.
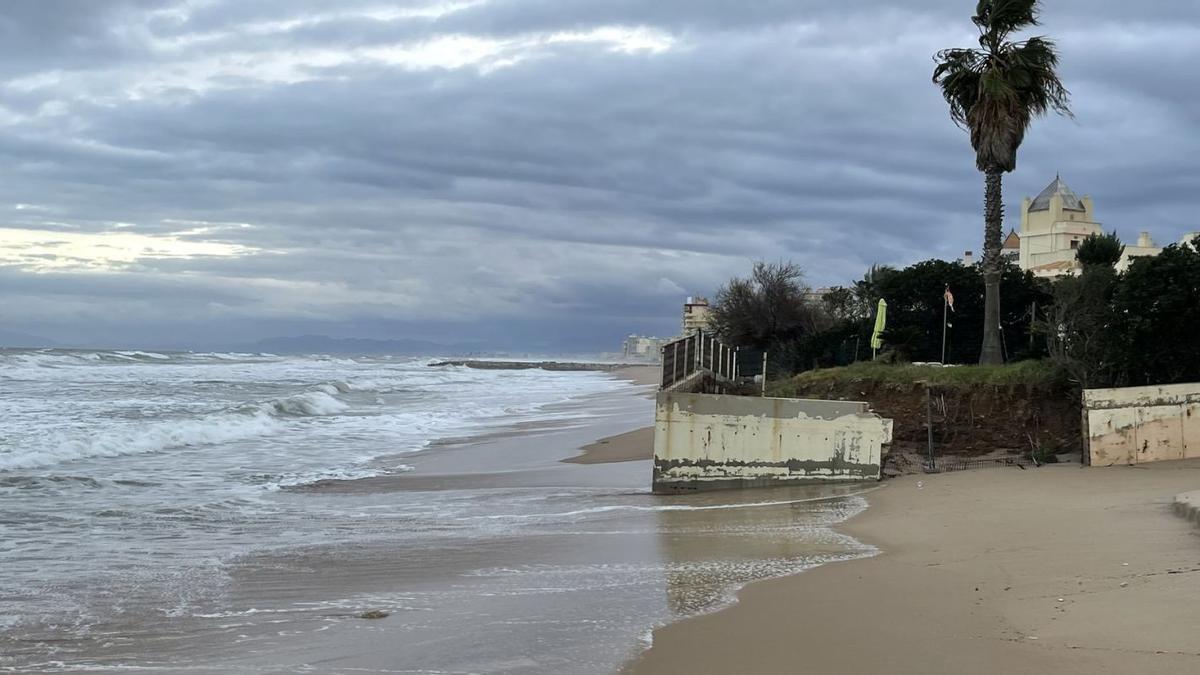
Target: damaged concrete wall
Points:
(1134, 425)
(704, 442)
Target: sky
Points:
(547, 175)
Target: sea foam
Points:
(246, 422)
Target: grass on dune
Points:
(1028, 374)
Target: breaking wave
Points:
(243, 423)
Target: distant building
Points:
(817, 295)
(1145, 248)
(1011, 248)
(1053, 225)
(696, 315)
(643, 348)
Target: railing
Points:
(698, 352)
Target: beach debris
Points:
(1124, 584)
(374, 614)
(920, 485)
(1060, 600)
(1124, 564)
(1031, 637)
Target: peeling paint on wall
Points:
(1135, 425)
(704, 441)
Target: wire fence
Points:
(948, 464)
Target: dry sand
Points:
(647, 375)
(1057, 570)
(630, 446)
(627, 447)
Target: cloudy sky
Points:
(550, 173)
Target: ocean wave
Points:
(309, 404)
(144, 355)
(141, 439)
(295, 480)
(246, 422)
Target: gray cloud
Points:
(531, 166)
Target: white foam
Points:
(57, 448)
(146, 355)
(308, 478)
(309, 404)
(670, 507)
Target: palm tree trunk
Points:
(993, 220)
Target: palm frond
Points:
(957, 73)
(1001, 17)
(1034, 63)
(996, 91)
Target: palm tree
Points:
(995, 92)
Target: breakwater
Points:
(562, 366)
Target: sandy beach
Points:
(1059, 569)
(632, 445)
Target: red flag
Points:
(949, 298)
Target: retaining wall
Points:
(1134, 425)
(707, 442)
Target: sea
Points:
(224, 512)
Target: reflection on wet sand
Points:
(710, 551)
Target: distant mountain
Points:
(11, 339)
(323, 344)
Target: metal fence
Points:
(697, 352)
(947, 464)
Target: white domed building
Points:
(1054, 223)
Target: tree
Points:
(1103, 250)
(1157, 317)
(995, 92)
(914, 296)
(1080, 326)
(769, 308)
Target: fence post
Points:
(929, 424)
(687, 363)
(675, 364)
(662, 366)
(764, 375)
(735, 364)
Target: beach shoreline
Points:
(630, 446)
(1059, 569)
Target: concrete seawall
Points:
(1135, 425)
(708, 442)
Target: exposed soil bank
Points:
(967, 421)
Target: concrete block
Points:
(705, 442)
(1134, 425)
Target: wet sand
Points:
(1060, 570)
(548, 567)
(627, 447)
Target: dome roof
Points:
(1071, 201)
